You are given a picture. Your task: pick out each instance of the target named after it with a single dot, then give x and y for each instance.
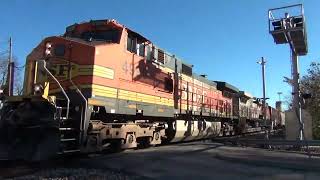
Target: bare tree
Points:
(3, 70)
(18, 84)
(287, 101)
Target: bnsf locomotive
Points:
(102, 85)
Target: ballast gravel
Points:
(77, 174)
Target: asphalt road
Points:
(206, 160)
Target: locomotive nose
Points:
(27, 131)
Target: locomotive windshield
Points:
(112, 36)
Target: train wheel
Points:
(130, 141)
(116, 145)
(144, 142)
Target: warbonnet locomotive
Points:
(102, 85)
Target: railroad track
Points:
(275, 142)
(11, 169)
(17, 169)
(234, 138)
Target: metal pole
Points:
(279, 94)
(264, 109)
(10, 50)
(176, 84)
(296, 92)
(263, 67)
(263, 62)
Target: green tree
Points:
(310, 84)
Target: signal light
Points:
(298, 22)
(276, 25)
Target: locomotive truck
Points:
(102, 85)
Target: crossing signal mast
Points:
(287, 26)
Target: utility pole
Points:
(263, 68)
(10, 74)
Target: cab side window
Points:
(141, 49)
(131, 44)
(168, 84)
(136, 44)
(160, 56)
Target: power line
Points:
(4, 40)
(4, 52)
(20, 67)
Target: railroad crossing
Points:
(162, 119)
(194, 160)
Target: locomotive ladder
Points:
(69, 137)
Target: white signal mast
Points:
(287, 26)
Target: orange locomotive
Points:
(102, 85)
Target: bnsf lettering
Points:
(60, 70)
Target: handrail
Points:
(300, 12)
(284, 7)
(56, 80)
(85, 100)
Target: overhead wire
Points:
(20, 67)
(4, 52)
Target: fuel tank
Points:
(188, 130)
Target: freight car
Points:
(102, 85)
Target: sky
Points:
(223, 39)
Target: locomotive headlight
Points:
(1, 97)
(38, 89)
(48, 49)
(48, 45)
(48, 52)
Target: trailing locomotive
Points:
(102, 85)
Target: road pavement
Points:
(207, 160)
